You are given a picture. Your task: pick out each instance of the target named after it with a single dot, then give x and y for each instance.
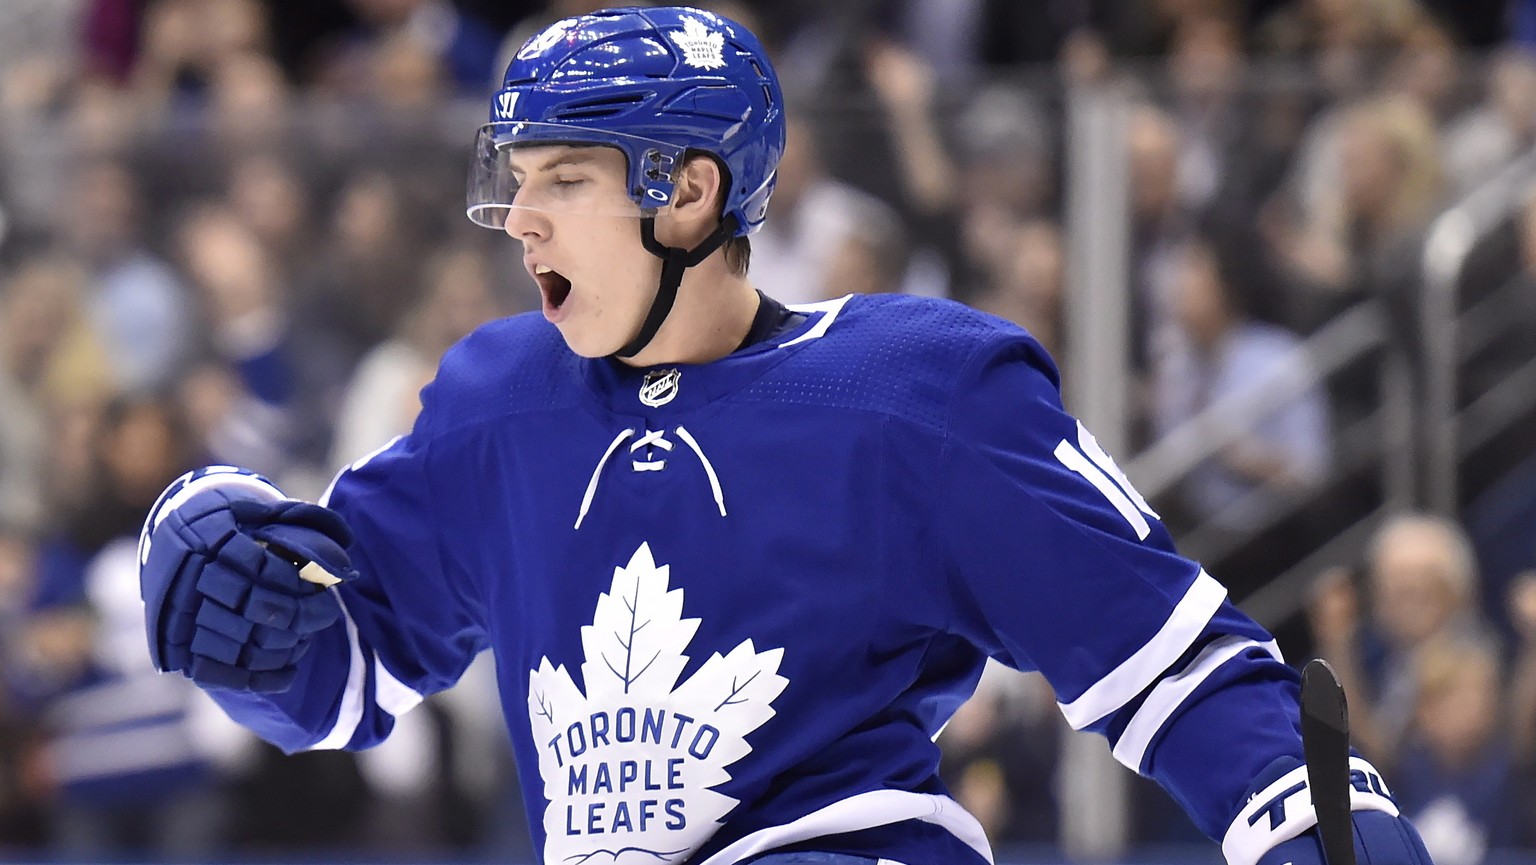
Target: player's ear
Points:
(699, 186)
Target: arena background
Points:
(1284, 251)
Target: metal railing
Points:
(1450, 239)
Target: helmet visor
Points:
(556, 168)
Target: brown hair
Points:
(738, 250)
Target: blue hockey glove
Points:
(220, 560)
(1277, 825)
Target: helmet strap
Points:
(674, 260)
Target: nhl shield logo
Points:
(659, 387)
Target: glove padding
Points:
(1277, 824)
(1380, 839)
(223, 600)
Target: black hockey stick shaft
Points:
(1325, 742)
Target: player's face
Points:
(581, 242)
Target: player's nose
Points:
(524, 223)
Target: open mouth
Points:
(555, 287)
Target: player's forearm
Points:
(1220, 739)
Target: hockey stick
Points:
(1325, 743)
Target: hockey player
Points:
(737, 563)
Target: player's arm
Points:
(1061, 566)
(224, 558)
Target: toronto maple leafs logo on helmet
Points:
(630, 764)
(702, 47)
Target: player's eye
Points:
(569, 182)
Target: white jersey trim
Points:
(325, 497)
(1123, 683)
(350, 711)
(387, 689)
(1171, 693)
(864, 811)
(829, 308)
(392, 695)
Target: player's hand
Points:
(1277, 824)
(224, 601)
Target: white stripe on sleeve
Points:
(350, 713)
(1170, 693)
(1124, 682)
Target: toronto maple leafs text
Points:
(631, 780)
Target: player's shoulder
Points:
(898, 354)
(924, 325)
(506, 366)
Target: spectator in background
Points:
(1424, 69)
(1220, 355)
(905, 86)
(133, 443)
(381, 401)
(1486, 137)
(1422, 579)
(274, 203)
(1204, 65)
(49, 357)
(1006, 151)
(245, 301)
(1027, 285)
(1340, 39)
(135, 302)
(116, 756)
(1368, 186)
(1522, 617)
(1160, 223)
(1457, 778)
(1004, 163)
(814, 218)
(206, 93)
(404, 78)
(185, 42)
(124, 749)
(368, 272)
(250, 110)
(999, 756)
(448, 37)
(22, 819)
(874, 257)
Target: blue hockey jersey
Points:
(732, 604)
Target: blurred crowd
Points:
(231, 232)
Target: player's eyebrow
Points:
(572, 156)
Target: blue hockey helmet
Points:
(656, 83)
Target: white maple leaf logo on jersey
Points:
(628, 766)
(702, 47)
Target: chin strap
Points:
(674, 260)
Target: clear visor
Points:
(560, 169)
